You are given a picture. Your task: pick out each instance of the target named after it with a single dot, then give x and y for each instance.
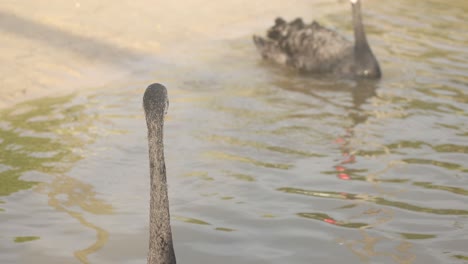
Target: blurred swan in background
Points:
(315, 49)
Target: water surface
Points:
(264, 165)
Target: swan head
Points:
(155, 101)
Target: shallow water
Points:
(264, 165)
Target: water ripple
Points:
(374, 200)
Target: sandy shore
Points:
(63, 46)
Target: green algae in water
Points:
(417, 236)
(10, 183)
(24, 146)
(25, 239)
(191, 220)
(225, 229)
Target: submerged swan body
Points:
(161, 250)
(313, 48)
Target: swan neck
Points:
(161, 249)
(360, 38)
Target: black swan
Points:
(315, 49)
(161, 250)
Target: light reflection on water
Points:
(265, 166)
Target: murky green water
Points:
(264, 166)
